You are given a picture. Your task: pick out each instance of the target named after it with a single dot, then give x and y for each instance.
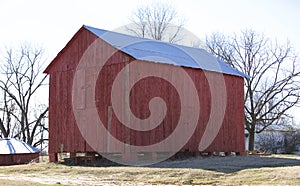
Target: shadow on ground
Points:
(227, 164)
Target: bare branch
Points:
(156, 21)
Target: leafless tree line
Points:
(21, 77)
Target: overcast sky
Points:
(52, 23)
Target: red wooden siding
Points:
(63, 131)
(64, 134)
(15, 159)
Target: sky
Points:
(51, 24)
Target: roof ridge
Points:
(136, 37)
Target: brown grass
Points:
(247, 170)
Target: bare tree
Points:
(273, 88)
(21, 77)
(157, 21)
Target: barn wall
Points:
(63, 131)
(64, 134)
(15, 159)
(231, 135)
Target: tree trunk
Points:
(3, 130)
(251, 141)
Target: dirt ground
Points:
(239, 170)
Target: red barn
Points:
(114, 93)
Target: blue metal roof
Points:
(162, 52)
(15, 146)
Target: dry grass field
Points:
(239, 170)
